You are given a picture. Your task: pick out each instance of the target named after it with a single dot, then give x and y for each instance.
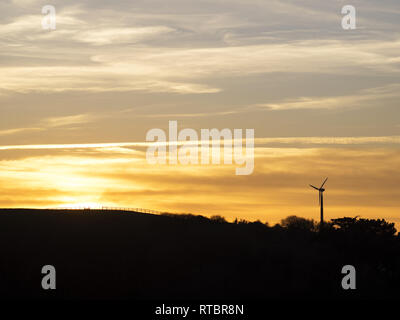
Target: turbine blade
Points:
(324, 182)
(314, 187)
(319, 198)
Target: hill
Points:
(120, 255)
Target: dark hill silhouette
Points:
(114, 255)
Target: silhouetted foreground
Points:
(111, 254)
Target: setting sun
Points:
(81, 205)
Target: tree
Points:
(378, 227)
(298, 223)
(218, 219)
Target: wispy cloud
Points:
(258, 141)
(67, 120)
(120, 35)
(18, 130)
(184, 70)
(122, 78)
(365, 98)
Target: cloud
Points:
(150, 49)
(331, 140)
(18, 130)
(29, 26)
(384, 140)
(67, 120)
(190, 115)
(316, 56)
(184, 70)
(120, 35)
(92, 79)
(365, 97)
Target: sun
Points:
(82, 205)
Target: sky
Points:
(77, 102)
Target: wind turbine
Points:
(321, 199)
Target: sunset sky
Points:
(76, 104)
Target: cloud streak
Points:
(363, 98)
(258, 141)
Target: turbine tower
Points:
(321, 199)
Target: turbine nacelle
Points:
(320, 189)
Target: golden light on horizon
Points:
(277, 188)
(81, 205)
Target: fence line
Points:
(141, 210)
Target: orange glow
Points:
(358, 183)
